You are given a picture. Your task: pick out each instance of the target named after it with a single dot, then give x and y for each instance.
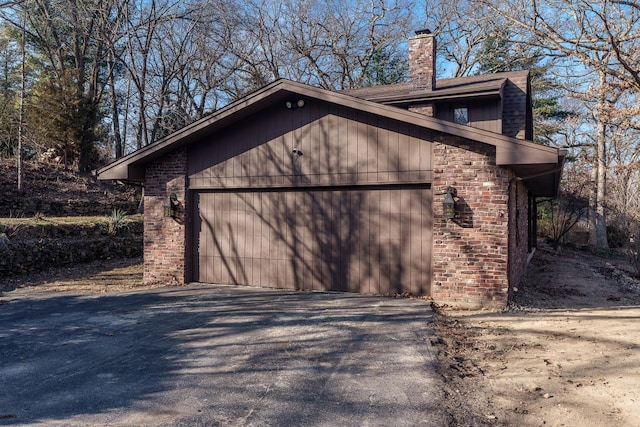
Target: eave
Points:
(477, 92)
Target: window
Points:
(461, 115)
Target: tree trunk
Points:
(593, 201)
(21, 116)
(115, 114)
(598, 235)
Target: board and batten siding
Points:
(340, 146)
(352, 213)
(486, 115)
(355, 239)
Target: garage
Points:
(365, 239)
(301, 188)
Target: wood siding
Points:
(359, 239)
(340, 146)
(482, 115)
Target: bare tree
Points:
(597, 214)
(327, 44)
(623, 176)
(177, 59)
(141, 26)
(21, 130)
(65, 36)
(601, 37)
(462, 28)
(113, 39)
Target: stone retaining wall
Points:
(42, 246)
(39, 255)
(27, 207)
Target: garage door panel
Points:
(213, 269)
(388, 222)
(358, 240)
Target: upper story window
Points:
(461, 115)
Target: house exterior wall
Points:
(357, 202)
(470, 253)
(340, 146)
(482, 115)
(165, 243)
(475, 257)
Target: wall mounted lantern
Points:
(171, 205)
(449, 204)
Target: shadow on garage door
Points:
(371, 240)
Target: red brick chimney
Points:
(422, 61)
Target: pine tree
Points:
(500, 54)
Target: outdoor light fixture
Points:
(449, 204)
(297, 151)
(171, 205)
(291, 105)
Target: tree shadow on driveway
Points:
(216, 355)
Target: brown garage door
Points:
(366, 240)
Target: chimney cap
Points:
(423, 31)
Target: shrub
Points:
(558, 216)
(117, 221)
(10, 230)
(616, 237)
(633, 249)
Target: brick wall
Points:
(165, 237)
(426, 109)
(471, 252)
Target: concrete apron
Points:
(216, 355)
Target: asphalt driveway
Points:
(216, 355)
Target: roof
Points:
(490, 85)
(537, 165)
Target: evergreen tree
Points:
(500, 54)
(385, 68)
(9, 91)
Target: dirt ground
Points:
(565, 352)
(114, 275)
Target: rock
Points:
(4, 243)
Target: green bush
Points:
(116, 222)
(616, 237)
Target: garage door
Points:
(365, 240)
